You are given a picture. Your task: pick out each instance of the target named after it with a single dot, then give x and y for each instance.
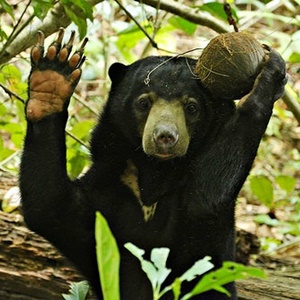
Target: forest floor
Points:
(282, 265)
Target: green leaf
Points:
(78, 20)
(291, 228)
(176, 288)
(262, 188)
(127, 40)
(294, 58)
(3, 110)
(108, 259)
(265, 219)
(79, 11)
(77, 161)
(82, 129)
(136, 251)
(16, 133)
(156, 270)
(286, 183)
(6, 7)
(183, 24)
(78, 291)
(82, 5)
(229, 272)
(199, 268)
(151, 272)
(159, 258)
(11, 72)
(41, 8)
(216, 9)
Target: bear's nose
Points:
(165, 136)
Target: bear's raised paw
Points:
(53, 77)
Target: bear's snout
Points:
(165, 134)
(165, 137)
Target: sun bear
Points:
(168, 161)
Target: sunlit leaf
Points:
(156, 270)
(176, 288)
(183, 24)
(286, 183)
(78, 291)
(265, 219)
(159, 258)
(78, 20)
(82, 129)
(262, 188)
(85, 7)
(199, 268)
(294, 58)
(41, 8)
(229, 272)
(108, 259)
(216, 9)
(6, 7)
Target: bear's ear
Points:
(117, 71)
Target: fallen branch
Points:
(30, 268)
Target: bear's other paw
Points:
(53, 77)
(273, 75)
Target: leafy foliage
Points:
(78, 291)
(229, 272)
(157, 273)
(79, 11)
(108, 259)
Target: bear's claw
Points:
(54, 76)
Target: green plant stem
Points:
(11, 93)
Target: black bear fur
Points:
(194, 194)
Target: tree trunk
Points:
(30, 268)
(283, 283)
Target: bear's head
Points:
(159, 104)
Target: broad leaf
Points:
(199, 268)
(262, 188)
(228, 273)
(286, 183)
(78, 291)
(108, 259)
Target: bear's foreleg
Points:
(53, 205)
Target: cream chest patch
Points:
(130, 179)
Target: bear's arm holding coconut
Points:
(234, 66)
(169, 159)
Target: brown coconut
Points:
(229, 64)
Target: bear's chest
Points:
(157, 195)
(130, 179)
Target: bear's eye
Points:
(191, 108)
(144, 103)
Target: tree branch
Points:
(193, 15)
(57, 18)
